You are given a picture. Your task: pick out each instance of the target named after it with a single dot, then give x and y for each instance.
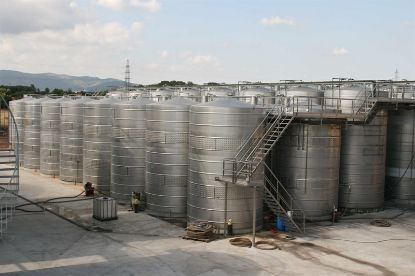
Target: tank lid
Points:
(77, 101)
(135, 102)
(176, 101)
(226, 102)
(104, 101)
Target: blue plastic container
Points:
(279, 224)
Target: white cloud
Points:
(150, 5)
(202, 59)
(19, 16)
(164, 54)
(271, 21)
(340, 51)
(86, 49)
(118, 5)
(137, 26)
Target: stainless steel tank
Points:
(17, 108)
(160, 95)
(217, 130)
(98, 118)
(347, 98)
(302, 98)
(71, 140)
(191, 94)
(31, 140)
(400, 160)
(50, 136)
(307, 164)
(128, 149)
(263, 96)
(167, 157)
(362, 165)
(217, 92)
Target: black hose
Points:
(241, 242)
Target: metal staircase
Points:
(281, 203)
(252, 152)
(364, 111)
(9, 166)
(250, 156)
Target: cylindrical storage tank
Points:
(308, 161)
(50, 136)
(263, 96)
(217, 130)
(217, 92)
(167, 157)
(98, 118)
(362, 165)
(31, 136)
(347, 98)
(191, 94)
(160, 95)
(71, 140)
(302, 98)
(400, 160)
(17, 108)
(128, 149)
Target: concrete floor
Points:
(44, 244)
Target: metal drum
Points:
(263, 96)
(362, 165)
(302, 98)
(17, 108)
(98, 117)
(31, 140)
(400, 160)
(191, 94)
(128, 149)
(167, 157)
(346, 98)
(307, 164)
(71, 140)
(50, 136)
(217, 130)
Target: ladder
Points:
(252, 152)
(9, 165)
(281, 203)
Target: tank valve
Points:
(89, 189)
(229, 227)
(135, 201)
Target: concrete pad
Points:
(44, 244)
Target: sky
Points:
(210, 40)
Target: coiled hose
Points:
(200, 230)
(380, 223)
(263, 245)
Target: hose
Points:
(269, 245)
(380, 223)
(241, 242)
(200, 230)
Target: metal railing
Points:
(284, 199)
(242, 161)
(9, 190)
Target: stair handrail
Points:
(270, 189)
(16, 131)
(292, 204)
(259, 127)
(15, 174)
(365, 102)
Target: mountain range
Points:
(50, 80)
